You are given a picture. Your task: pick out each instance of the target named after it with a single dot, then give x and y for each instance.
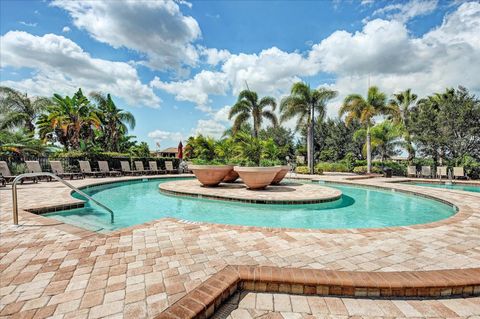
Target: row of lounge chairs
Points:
(85, 170)
(441, 172)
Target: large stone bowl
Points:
(257, 177)
(281, 174)
(211, 175)
(231, 177)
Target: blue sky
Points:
(178, 66)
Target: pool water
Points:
(137, 202)
(460, 187)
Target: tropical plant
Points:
(248, 106)
(69, 120)
(201, 147)
(385, 139)
(20, 143)
(115, 121)
(302, 103)
(399, 108)
(19, 110)
(248, 147)
(356, 107)
(140, 150)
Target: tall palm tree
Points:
(69, 119)
(302, 103)
(19, 110)
(115, 121)
(248, 106)
(365, 109)
(385, 139)
(399, 109)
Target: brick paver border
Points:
(209, 296)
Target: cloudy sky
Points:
(177, 66)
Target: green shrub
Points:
(398, 169)
(363, 170)
(332, 167)
(302, 170)
(470, 166)
(269, 162)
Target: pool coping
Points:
(204, 300)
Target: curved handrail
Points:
(21, 176)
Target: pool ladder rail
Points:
(29, 175)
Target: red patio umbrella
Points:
(180, 150)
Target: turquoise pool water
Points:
(137, 202)
(460, 187)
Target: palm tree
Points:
(69, 119)
(115, 121)
(19, 110)
(358, 108)
(384, 139)
(302, 104)
(399, 109)
(248, 106)
(21, 143)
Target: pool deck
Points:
(52, 269)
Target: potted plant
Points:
(210, 173)
(255, 176)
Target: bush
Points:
(471, 166)
(398, 169)
(363, 170)
(332, 167)
(302, 170)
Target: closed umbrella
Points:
(180, 150)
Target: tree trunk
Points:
(310, 144)
(369, 151)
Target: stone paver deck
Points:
(249, 305)
(51, 269)
(285, 193)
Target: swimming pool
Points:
(137, 202)
(460, 187)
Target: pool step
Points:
(89, 222)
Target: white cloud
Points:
(28, 24)
(159, 136)
(66, 29)
(406, 11)
(210, 128)
(221, 115)
(157, 29)
(214, 56)
(62, 66)
(196, 89)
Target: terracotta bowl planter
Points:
(257, 177)
(231, 177)
(211, 175)
(281, 175)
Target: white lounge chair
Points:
(458, 171)
(412, 171)
(426, 171)
(169, 167)
(126, 168)
(442, 171)
(154, 168)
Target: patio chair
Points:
(3, 182)
(104, 168)
(442, 171)
(57, 169)
(140, 169)
(426, 171)
(126, 168)
(8, 177)
(169, 167)
(458, 172)
(34, 167)
(87, 170)
(154, 168)
(411, 171)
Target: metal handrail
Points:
(26, 175)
